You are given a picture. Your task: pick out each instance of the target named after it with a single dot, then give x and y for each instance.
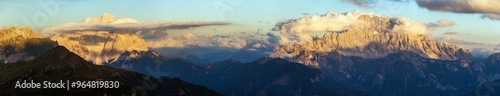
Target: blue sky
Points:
(244, 14)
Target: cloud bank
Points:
(489, 8)
(126, 27)
(234, 41)
(107, 22)
(491, 16)
(239, 46)
(478, 50)
(442, 23)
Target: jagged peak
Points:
(101, 47)
(104, 19)
(15, 32)
(375, 37)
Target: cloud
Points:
(107, 22)
(461, 43)
(491, 16)
(233, 41)
(330, 21)
(369, 3)
(461, 6)
(126, 27)
(243, 46)
(484, 52)
(450, 33)
(361, 3)
(478, 50)
(489, 8)
(442, 23)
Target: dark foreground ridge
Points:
(60, 64)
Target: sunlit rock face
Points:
(374, 37)
(101, 46)
(17, 33)
(22, 44)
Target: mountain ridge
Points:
(61, 64)
(21, 44)
(374, 39)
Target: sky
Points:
(244, 15)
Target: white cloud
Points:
(484, 52)
(330, 21)
(107, 22)
(491, 16)
(478, 50)
(450, 33)
(442, 23)
(234, 41)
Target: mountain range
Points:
(265, 76)
(369, 59)
(374, 39)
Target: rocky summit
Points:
(105, 18)
(99, 46)
(21, 44)
(375, 37)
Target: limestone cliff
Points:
(101, 46)
(21, 44)
(374, 38)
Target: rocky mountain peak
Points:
(101, 46)
(375, 22)
(377, 37)
(21, 44)
(15, 33)
(105, 18)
